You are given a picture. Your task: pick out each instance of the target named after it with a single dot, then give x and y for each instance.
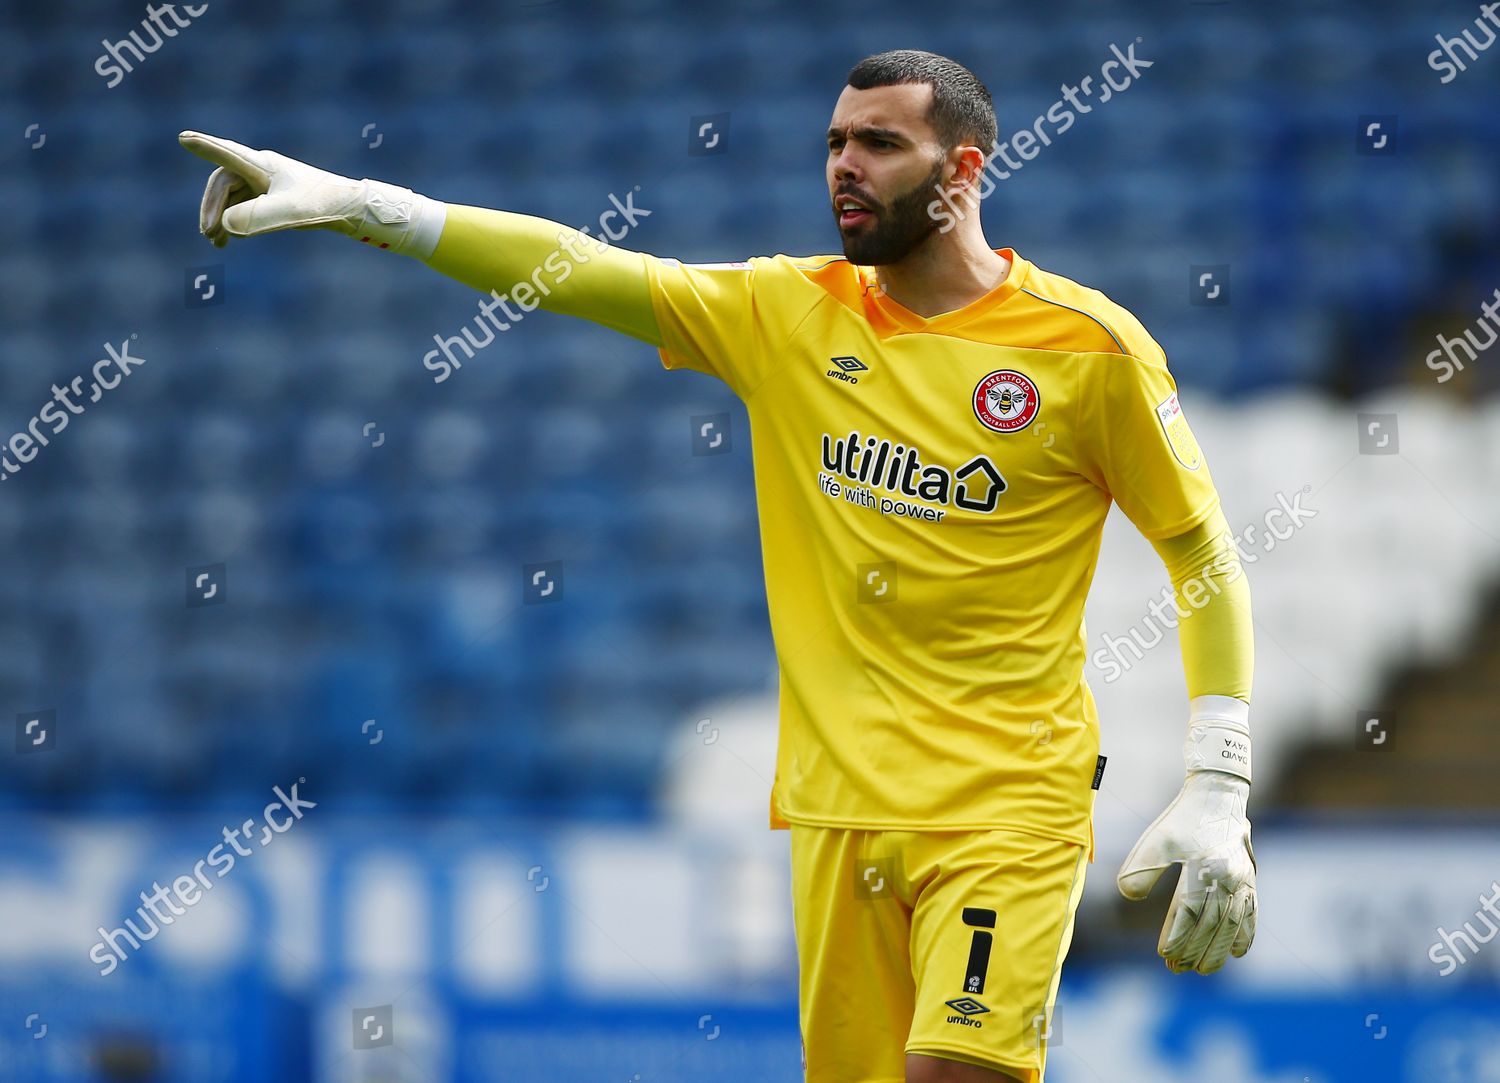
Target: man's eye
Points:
(882, 143)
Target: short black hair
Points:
(962, 111)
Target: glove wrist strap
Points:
(1218, 737)
(399, 219)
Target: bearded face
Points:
(886, 231)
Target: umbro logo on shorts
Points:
(966, 1006)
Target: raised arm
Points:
(259, 191)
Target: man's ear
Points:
(964, 168)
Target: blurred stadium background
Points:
(539, 848)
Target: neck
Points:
(944, 273)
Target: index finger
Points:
(235, 157)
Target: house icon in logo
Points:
(980, 464)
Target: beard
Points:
(897, 228)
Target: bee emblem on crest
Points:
(1006, 401)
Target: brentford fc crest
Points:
(1006, 401)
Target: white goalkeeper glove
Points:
(1212, 914)
(260, 191)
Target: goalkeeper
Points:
(939, 429)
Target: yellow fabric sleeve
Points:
(1216, 634)
(537, 263)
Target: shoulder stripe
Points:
(810, 267)
(1108, 330)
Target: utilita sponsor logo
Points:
(881, 464)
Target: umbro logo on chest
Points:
(845, 366)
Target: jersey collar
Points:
(903, 319)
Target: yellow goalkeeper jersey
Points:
(932, 493)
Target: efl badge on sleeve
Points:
(1006, 401)
(1179, 436)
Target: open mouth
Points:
(852, 212)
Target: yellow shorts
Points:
(944, 943)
